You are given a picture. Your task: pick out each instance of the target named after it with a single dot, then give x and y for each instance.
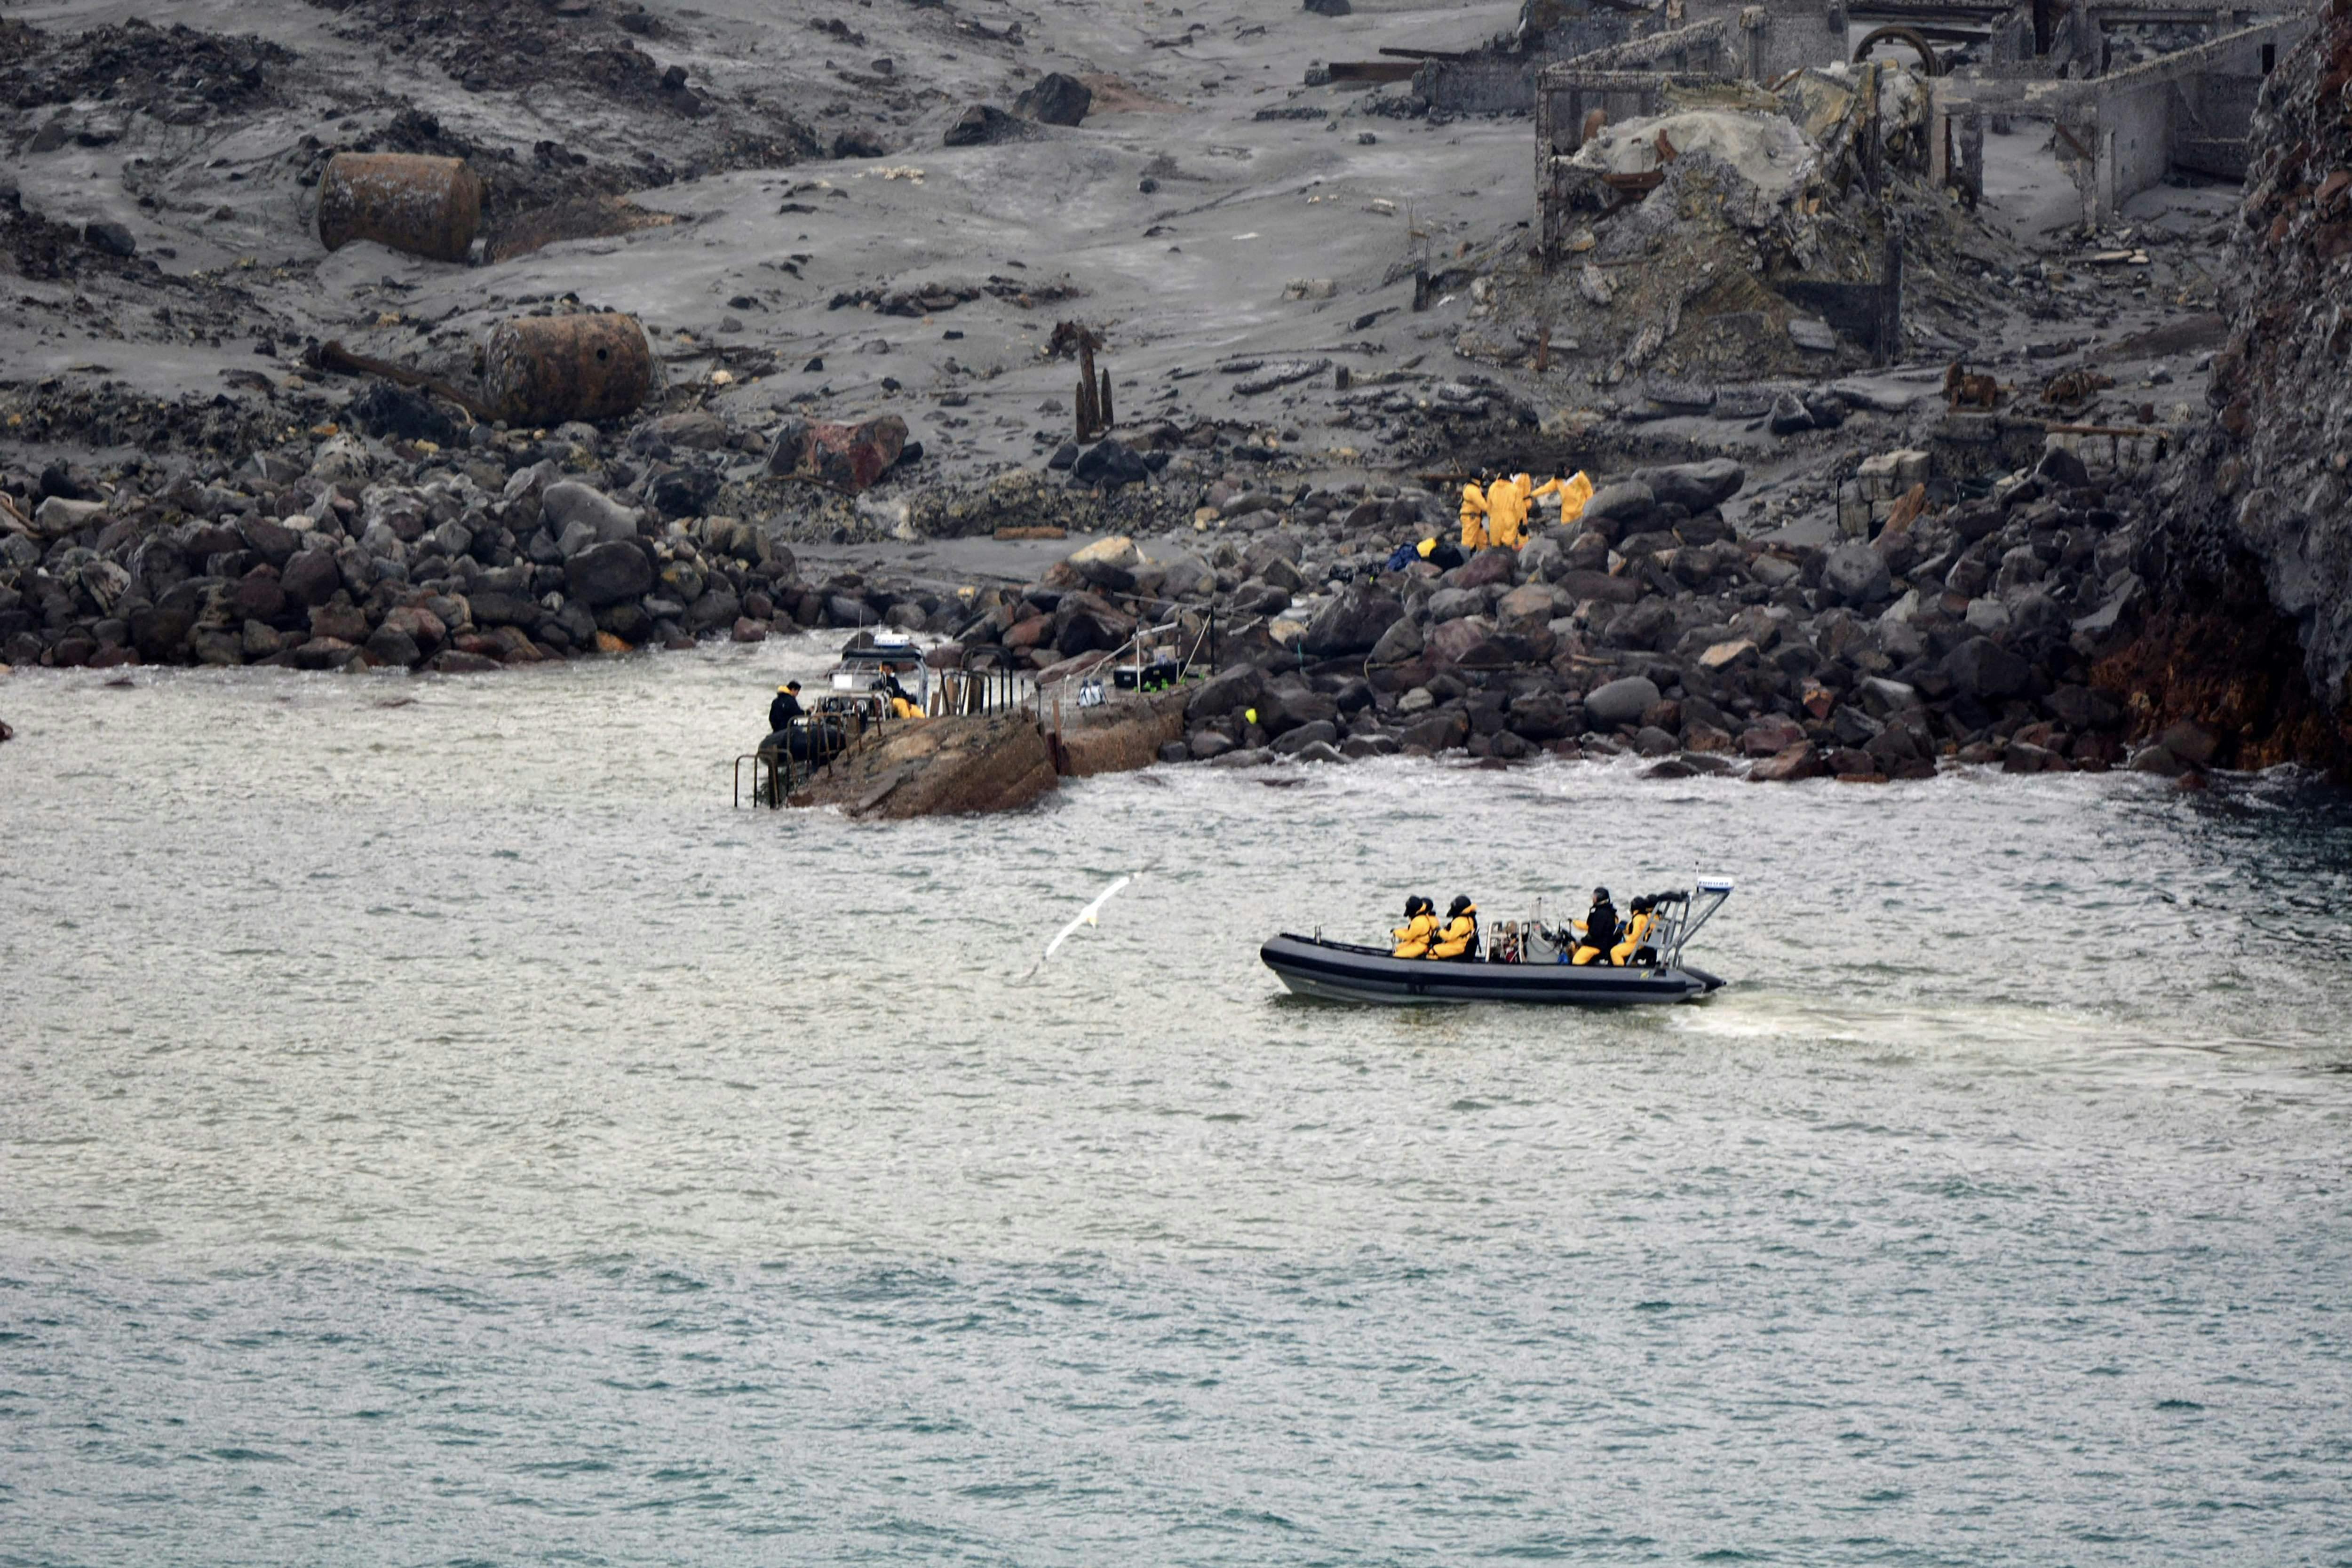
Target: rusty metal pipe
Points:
(426, 206)
(544, 370)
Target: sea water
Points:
(436, 1126)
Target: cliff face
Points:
(2249, 551)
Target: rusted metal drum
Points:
(425, 206)
(544, 370)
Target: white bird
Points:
(1086, 917)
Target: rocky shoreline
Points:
(1970, 632)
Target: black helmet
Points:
(1600, 895)
(1461, 905)
(1418, 904)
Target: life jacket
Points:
(1413, 937)
(1461, 936)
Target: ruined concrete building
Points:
(2118, 127)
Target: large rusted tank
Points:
(426, 206)
(544, 370)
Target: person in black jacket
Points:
(1599, 929)
(786, 707)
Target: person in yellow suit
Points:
(1459, 940)
(1413, 937)
(1474, 518)
(1572, 491)
(902, 703)
(1507, 510)
(1637, 932)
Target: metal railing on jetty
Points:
(845, 724)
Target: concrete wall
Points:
(2122, 133)
(1795, 34)
(1506, 84)
(1501, 85)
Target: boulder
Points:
(1452, 604)
(1486, 569)
(1854, 574)
(1454, 641)
(1055, 99)
(1541, 716)
(981, 125)
(2062, 469)
(394, 413)
(421, 625)
(1226, 691)
(1620, 701)
(2192, 744)
(567, 504)
(456, 661)
(1114, 549)
(490, 608)
(1402, 641)
(1627, 500)
(312, 577)
(1533, 602)
(1600, 586)
(1285, 708)
(389, 645)
(343, 623)
(1357, 620)
(1318, 731)
(717, 609)
(1110, 465)
(272, 541)
(256, 596)
(1697, 486)
(696, 429)
(1771, 735)
(850, 458)
(684, 491)
(1982, 667)
(111, 238)
(1790, 415)
(1798, 761)
(1438, 732)
(324, 653)
(609, 573)
(158, 632)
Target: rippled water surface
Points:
(434, 1127)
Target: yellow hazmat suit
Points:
(1507, 510)
(1573, 492)
(1413, 938)
(1460, 931)
(1637, 932)
(1474, 518)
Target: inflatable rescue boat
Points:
(1523, 961)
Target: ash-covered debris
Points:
(179, 75)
